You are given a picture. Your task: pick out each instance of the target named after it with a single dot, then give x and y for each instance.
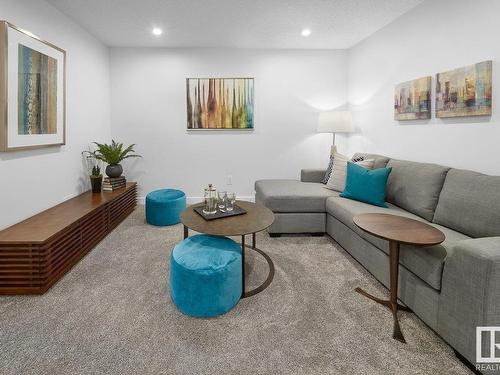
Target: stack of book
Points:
(111, 184)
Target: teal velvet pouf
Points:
(206, 275)
(164, 207)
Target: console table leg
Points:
(394, 259)
(186, 232)
(392, 303)
(254, 242)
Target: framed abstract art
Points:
(465, 91)
(220, 103)
(32, 91)
(412, 100)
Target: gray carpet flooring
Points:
(112, 314)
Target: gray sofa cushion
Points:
(380, 160)
(313, 175)
(425, 262)
(470, 203)
(292, 195)
(415, 186)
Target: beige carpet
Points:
(112, 314)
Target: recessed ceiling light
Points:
(306, 32)
(157, 31)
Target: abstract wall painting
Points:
(466, 91)
(412, 100)
(220, 103)
(32, 91)
(37, 92)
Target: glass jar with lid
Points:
(210, 200)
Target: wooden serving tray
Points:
(237, 210)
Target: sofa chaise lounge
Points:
(453, 287)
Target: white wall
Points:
(148, 105)
(435, 36)
(31, 181)
(148, 101)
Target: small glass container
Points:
(210, 201)
(230, 199)
(221, 202)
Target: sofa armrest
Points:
(312, 175)
(470, 293)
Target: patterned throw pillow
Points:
(357, 158)
(330, 167)
(328, 171)
(339, 170)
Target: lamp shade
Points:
(335, 122)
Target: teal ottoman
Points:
(164, 207)
(205, 275)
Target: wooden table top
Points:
(255, 220)
(42, 226)
(399, 229)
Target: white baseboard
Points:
(192, 200)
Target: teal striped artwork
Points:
(37, 92)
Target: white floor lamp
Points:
(335, 122)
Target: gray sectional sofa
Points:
(452, 287)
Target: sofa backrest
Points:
(380, 160)
(470, 203)
(415, 186)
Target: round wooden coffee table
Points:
(397, 230)
(257, 218)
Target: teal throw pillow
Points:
(366, 185)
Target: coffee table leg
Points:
(186, 232)
(392, 303)
(242, 266)
(269, 261)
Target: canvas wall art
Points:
(466, 91)
(412, 100)
(32, 91)
(220, 103)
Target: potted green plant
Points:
(113, 154)
(94, 170)
(96, 179)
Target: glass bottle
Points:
(189, 107)
(211, 105)
(234, 114)
(250, 105)
(204, 119)
(227, 116)
(210, 201)
(219, 99)
(197, 117)
(222, 103)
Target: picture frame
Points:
(412, 99)
(220, 104)
(32, 91)
(465, 91)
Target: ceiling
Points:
(233, 23)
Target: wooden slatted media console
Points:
(37, 252)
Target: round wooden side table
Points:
(257, 219)
(397, 230)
